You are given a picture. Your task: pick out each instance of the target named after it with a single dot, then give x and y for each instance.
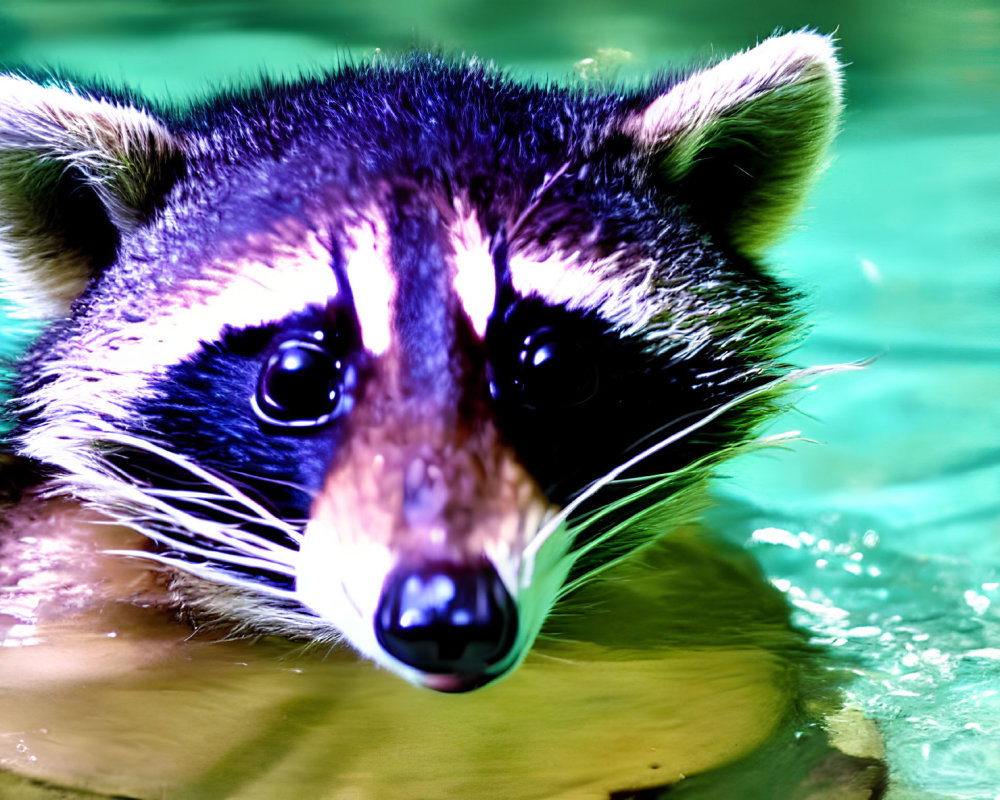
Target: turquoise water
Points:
(887, 536)
(883, 524)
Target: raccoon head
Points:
(401, 355)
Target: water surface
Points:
(881, 528)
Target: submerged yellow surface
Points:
(120, 701)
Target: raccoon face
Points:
(401, 356)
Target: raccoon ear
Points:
(745, 139)
(76, 172)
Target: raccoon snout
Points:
(456, 623)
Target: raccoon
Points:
(400, 355)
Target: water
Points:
(882, 528)
(889, 547)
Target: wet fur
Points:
(631, 223)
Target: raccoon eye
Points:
(300, 385)
(553, 371)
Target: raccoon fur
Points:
(400, 355)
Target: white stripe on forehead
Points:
(373, 285)
(475, 276)
(102, 372)
(615, 289)
(278, 278)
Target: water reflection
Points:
(680, 664)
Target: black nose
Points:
(448, 619)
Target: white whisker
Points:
(215, 555)
(207, 573)
(202, 500)
(295, 487)
(239, 544)
(205, 529)
(791, 378)
(264, 515)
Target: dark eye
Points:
(300, 385)
(553, 371)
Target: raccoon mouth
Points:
(455, 684)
